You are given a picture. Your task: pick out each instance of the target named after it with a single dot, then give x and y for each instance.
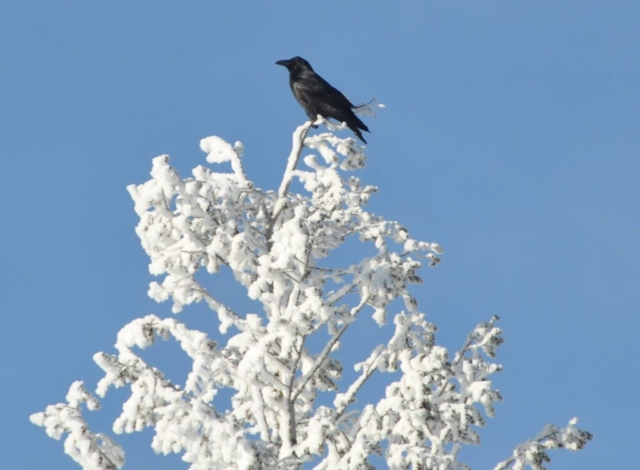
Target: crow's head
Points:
(297, 64)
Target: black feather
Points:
(317, 96)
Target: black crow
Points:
(317, 96)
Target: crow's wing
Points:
(317, 96)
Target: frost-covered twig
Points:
(367, 109)
(368, 367)
(92, 451)
(534, 452)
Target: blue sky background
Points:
(510, 137)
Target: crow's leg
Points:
(313, 118)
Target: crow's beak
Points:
(284, 63)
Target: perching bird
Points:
(317, 96)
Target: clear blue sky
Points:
(511, 137)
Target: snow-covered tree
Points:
(279, 246)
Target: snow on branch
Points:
(90, 450)
(281, 248)
(533, 453)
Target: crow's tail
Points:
(355, 124)
(357, 132)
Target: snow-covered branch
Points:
(90, 450)
(534, 452)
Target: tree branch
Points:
(298, 144)
(325, 352)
